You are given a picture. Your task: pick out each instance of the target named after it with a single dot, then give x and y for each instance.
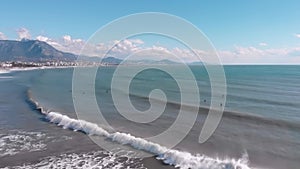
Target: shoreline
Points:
(18, 69)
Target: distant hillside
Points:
(38, 51)
(111, 60)
(196, 63)
(31, 50)
(152, 62)
(116, 61)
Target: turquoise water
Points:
(268, 91)
(261, 118)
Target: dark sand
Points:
(153, 163)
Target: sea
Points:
(40, 127)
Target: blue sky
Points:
(228, 24)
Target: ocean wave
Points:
(92, 160)
(245, 116)
(6, 77)
(180, 159)
(4, 71)
(21, 69)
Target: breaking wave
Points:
(180, 159)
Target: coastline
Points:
(18, 69)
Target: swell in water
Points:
(4, 71)
(181, 159)
(291, 125)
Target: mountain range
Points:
(39, 51)
(31, 50)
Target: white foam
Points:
(91, 160)
(76, 125)
(18, 69)
(20, 141)
(184, 160)
(4, 71)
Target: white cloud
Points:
(23, 33)
(67, 38)
(42, 38)
(263, 44)
(252, 55)
(50, 41)
(126, 46)
(297, 35)
(137, 41)
(137, 47)
(69, 44)
(65, 43)
(2, 36)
